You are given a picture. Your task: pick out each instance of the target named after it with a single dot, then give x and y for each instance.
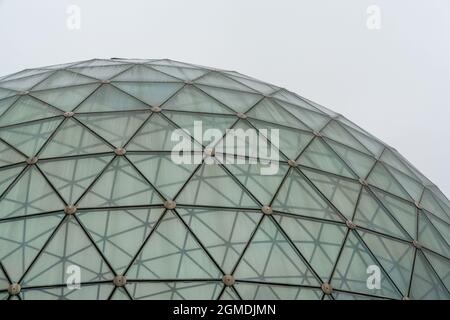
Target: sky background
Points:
(393, 81)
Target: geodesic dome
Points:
(89, 193)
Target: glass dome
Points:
(92, 205)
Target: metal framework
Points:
(86, 179)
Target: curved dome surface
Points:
(89, 193)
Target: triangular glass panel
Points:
(71, 177)
(291, 141)
(336, 132)
(229, 294)
(291, 98)
(238, 101)
(391, 159)
(119, 233)
(256, 291)
(360, 162)
(382, 179)
(412, 186)
(109, 98)
(27, 109)
(269, 111)
(203, 123)
(350, 273)
(67, 98)
(172, 252)
(430, 203)
(120, 185)
(29, 138)
(101, 72)
(371, 215)
(6, 103)
(396, 258)
(116, 128)
(101, 63)
(374, 146)
(307, 201)
(270, 257)
(8, 155)
(441, 266)
(179, 290)
(216, 79)
(7, 176)
(192, 99)
(252, 176)
(441, 226)
(404, 212)
(63, 65)
(430, 238)
(342, 193)
(73, 139)
(206, 185)
(339, 295)
(320, 108)
(156, 135)
(244, 141)
(26, 83)
(63, 78)
(30, 194)
(173, 63)
(425, 284)
(4, 283)
(166, 175)
(258, 86)
(439, 197)
(143, 73)
(69, 246)
(21, 240)
(84, 292)
(154, 94)
(24, 73)
(318, 242)
(120, 294)
(320, 156)
(223, 233)
(314, 120)
(181, 73)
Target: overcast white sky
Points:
(394, 81)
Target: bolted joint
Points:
(70, 209)
(210, 152)
(416, 244)
(292, 163)
(106, 81)
(32, 160)
(170, 204)
(350, 224)
(156, 109)
(363, 182)
(120, 151)
(23, 93)
(228, 280)
(317, 133)
(241, 115)
(120, 281)
(14, 289)
(417, 204)
(267, 209)
(68, 114)
(327, 288)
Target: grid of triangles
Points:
(350, 202)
